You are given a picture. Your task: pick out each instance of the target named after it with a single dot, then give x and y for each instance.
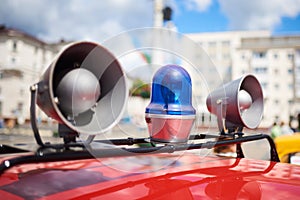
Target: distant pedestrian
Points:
(1, 123)
(285, 129)
(294, 125)
(275, 130)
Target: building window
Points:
(275, 56)
(13, 60)
(14, 46)
(226, 56)
(20, 107)
(212, 55)
(297, 52)
(259, 54)
(226, 44)
(264, 85)
(36, 50)
(22, 92)
(290, 56)
(290, 71)
(212, 44)
(243, 56)
(260, 70)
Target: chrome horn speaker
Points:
(239, 103)
(84, 89)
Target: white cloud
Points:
(198, 5)
(52, 20)
(258, 14)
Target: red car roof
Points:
(158, 176)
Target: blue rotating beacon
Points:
(170, 114)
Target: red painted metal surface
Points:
(161, 176)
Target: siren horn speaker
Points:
(84, 88)
(239, 102)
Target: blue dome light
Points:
(170, 114)
(171, 92)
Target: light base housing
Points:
(169, 128)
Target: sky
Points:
(52, 20)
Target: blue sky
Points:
(288, 25)
(193, 21)
(52, 20)
(283, 17)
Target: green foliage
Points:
(141, 89)
(55, 134)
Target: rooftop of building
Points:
(13, 32)
(230, 34)
(288, 41)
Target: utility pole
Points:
(157, 13)
(156, 57)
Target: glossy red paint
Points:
(160, 176)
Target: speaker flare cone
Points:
(245, 100)
(78, 91)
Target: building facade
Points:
(220, 48)
(275, 61)
(23, 59)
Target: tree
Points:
(140, 88)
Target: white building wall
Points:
(297, 74)
(28, 57)
(274, 68)
(222, 47)
(227, 53)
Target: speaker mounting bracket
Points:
(68, 135)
